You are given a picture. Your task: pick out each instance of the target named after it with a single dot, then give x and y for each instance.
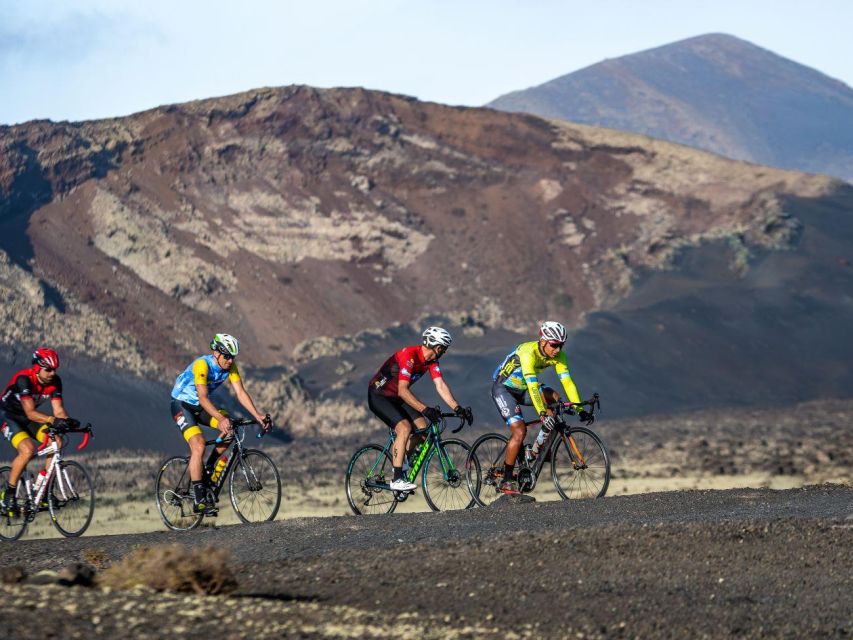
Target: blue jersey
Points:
(205, 371)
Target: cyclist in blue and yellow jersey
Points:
(191, 407)
(516, 383)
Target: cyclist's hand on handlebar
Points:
(585, 416)
(548, 421)
(432, 414)
(465, 413)
(224, 426)
(267, 424)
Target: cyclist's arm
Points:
(531, 379)
(407, 396)
(58, 408)
(205, 403)
(34, 414)
(445, 393)
(245, 400)
(569, 386)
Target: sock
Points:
(398, 473)
(11, 491)
(508, 471)
(198, 491)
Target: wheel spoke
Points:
(255, 487)
(175, 497)
(370, 465)
(580, 481)
(444, 482)
(486, 469)
(71, 498)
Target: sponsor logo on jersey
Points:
(405, 372)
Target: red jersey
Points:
(25, 384)
(407, 364)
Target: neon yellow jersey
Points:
(520, 371)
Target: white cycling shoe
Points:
(402, 485)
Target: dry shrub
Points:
(96, 557)
(174, 567)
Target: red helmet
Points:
(46, 358)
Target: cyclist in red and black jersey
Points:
(390, 398)
(22, 423)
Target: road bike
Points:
(580, 463)
(370, 471)
(254, 484)
(65, 489)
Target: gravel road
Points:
(745, 563)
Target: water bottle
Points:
(544, 432)
(529, 456)
(39, 481)
(217, 470)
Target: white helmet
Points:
(436, 337)
(552, 331)
(225, 344)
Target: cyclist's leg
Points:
(391, 410)
(19, 431)
(510, 409)
(419, 422)
(218, 449)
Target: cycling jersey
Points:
(205, 371)
(26, 384)
(520, 371)
(407, 364)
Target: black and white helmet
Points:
(436, 337)
(552, 331)
(225, 344)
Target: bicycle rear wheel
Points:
(174, 495)
(580, 465)
(484, 468)
(444, 483)
(12, 527)
(369, 466)
(71, 499)
(255, 487)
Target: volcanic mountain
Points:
(713, 92)
(324, 227)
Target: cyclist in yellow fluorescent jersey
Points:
(516, 383)
(191, 407)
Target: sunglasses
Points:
(48, 369)
(555, 345)
(227, 356)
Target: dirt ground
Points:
(745, 563)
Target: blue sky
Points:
(86, 59)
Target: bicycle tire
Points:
(446, 494)
(71, 498)
(262, 487)
(359, 471)
(12, 528)
(592, 479)
(487, 454)
(173, 495)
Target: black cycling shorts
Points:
(509, 401)
(390, 409)
(188, 417)
(16, 427)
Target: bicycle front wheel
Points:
(484, 468)
(255, 487)
(370, 466)
(580, 465)
(71, 499)
(12, 526)
(174, 495)
(444, 482)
